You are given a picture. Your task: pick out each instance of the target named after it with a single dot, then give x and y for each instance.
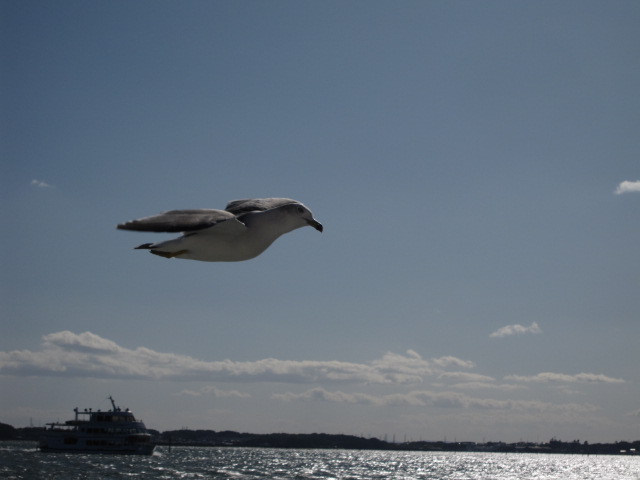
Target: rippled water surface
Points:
(22, 461)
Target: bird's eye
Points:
(300, 210)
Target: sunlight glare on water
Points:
(20, 460)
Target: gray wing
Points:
(179, 221)
(238, 207)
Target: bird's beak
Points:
(315, 224)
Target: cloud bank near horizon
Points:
(88, 355)
(426, 398)
(399, 381)
(550, 377)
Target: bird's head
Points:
(303, 215)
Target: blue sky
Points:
(476, 166)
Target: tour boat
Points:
(113, 431)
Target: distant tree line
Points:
(211, 438)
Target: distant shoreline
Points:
(211, 438)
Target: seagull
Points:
(243, 230)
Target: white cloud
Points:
(465, 377)
(444, 362)
(412, 368)
(215, 392)
(516, 330)
(505, 387)
(627, 187)
(425, 398)
(320, 394)
(40, 184)
(83, 342)
(550, 377)
(89, 355)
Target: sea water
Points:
(19, 460)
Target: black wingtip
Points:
(144, 246)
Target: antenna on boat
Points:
(113, 403)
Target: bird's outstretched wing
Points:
(239, 207)
(180, 221)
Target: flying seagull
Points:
(243, 230)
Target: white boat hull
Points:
(55, 442)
